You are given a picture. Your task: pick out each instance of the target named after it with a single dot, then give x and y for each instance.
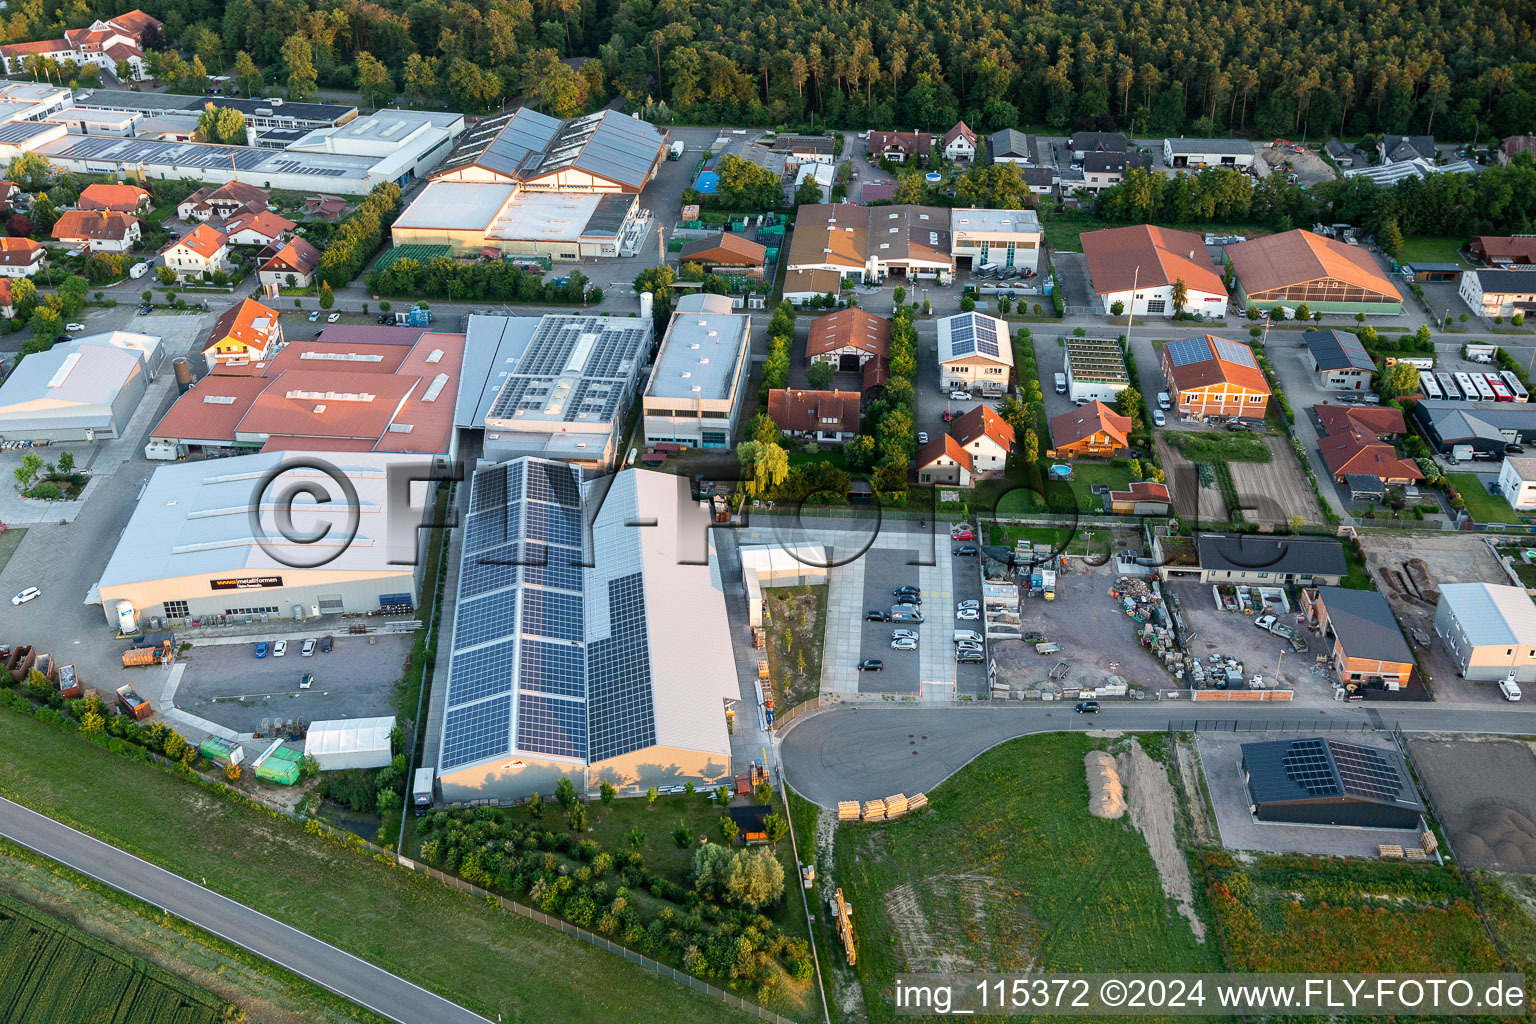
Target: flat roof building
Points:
(190, 551)
(1484, 427)
(1489, 631)
(82, 390)
(698, 385)
(1324, 781)
(610, 662)
(473, 216)
(1095, 369)
(1194, 153)
(259, 113)
(1007, 238)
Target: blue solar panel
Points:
(1235, 352)
(1187, 350)
(553, 566)
(480, 673)
(549, 725)
(555, 483)
(552, 613)
(553, 524)
(485, 618)
(490, 569)
(552, 668)
(476, 731)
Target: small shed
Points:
(360, 743)
(1364, 487)
(1426, 273)
(750, 821)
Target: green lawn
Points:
(1432, 250)
(1063, 228)
(796, 618)
(10, 540)
(486, 959)
(1009, 871)
(59, 973)
(1219, 446)
(1485, 507)
(1358, 577)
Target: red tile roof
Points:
(41, 46)
(1358, 452)
(961, 130)
(725, 249)
(942, 445)
(91, 224)
(249, 323)
(211, 410)
(1296, 257)
(5, 292)
(1213, 369)
(19, 252)
(203, 240)
(122, 198)
(1142, 490)
(297, 256)
(801, 411)
(908, 142)
(1072, 427)
(1378, 420)
(264, 222)
(982, 420)
(135, 22)
(849, 327)
(1162, 255)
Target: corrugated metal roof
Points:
(1491, 616)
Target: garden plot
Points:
(1194, 495)
(1275, 491)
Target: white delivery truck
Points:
(421, 792)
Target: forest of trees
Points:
(1458, 68)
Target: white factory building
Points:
(527, 184)
(1489, 631)
(191, 550)
(615, 671)
(697, 388)
(82, 390)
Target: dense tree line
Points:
(1458, 67)
(360, 235)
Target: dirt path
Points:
(1194, 799)
(1151, 800)
(846, 994)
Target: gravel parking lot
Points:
(1233, 635)
(1096, 638)
(1485, 794)
(1221, 760)
(231, 686)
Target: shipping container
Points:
(132, 703)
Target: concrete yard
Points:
(1221, 761)
(1484, 792)
(229, 685)
(1233, 634)
(1097, 639)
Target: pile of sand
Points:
(1106, 795)
(1499, 835)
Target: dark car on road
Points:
(1087, 707)
(876, 615)
(326, 643)
(964, 549)
(871, 665)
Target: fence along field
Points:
(52, 972)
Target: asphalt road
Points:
(374, 989)
(865, 753)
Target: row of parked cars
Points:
(307, 649)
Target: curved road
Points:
(387, 995)
(864, 752)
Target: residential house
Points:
(871, 243)
(1339, 360)
(7, 299)
(244, 334)
(943, 461)
(1357, 452)
(1100, 171)
(222, 202)
(827, 417)
(122, 39)
(801, 286)
(1493, 293)
(1381, 422)
(727, 253)
(1399, 149)
(1368, 645)
(975, 353)
(117, 198)
(986, 437)
(1341, 154)
(326, 207)
(1196, 153)
(256, 227)
(1514, 145)
(1089, 430)
(1142, 498)
(100, 231)
(1296, 267)
(848, 339)
(289, 266)
(1213, 378)
(10, 194)
(1042, 181)
(1504, 250)
(1489, 630)
(898, 147)
(1083, 143)
(1250, 559)
(1010, 146)
(1517, 482)
(202, 250)
(21, 257)
(1141, 266)
(960, 144)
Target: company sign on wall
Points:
(245, 582)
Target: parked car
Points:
(74, 327)
(969, 659)
(1237, 426)
(903, 634)
(967, 615)
(383, 319)
(280, 648)
(948, 416)
(1265, 621)
(903, 644)
(326, 643)
(307, 681)
(876, 615)
(965, 533)
(871, 665)
(922, 437)
(964, 605)
(1513, 449)
(333, 318)
(307, 650)
(30, 594)
(964, 549)
(261, 649)
(960, 396)
(1158, 419)
(908, 589)
(1087, 707)
(314, 316)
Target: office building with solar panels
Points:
(1318, 781)
(616, 671)
(975, 353)
(526, 184)
(1213, 378)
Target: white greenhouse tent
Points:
(359, 743)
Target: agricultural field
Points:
(1009, 871)
(796, 618)
(1298, 913)
(485, 959)
(52, 972)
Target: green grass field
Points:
(485, 959)
(796, 621)
(1432, 250)
(53, 972)
(10, 540)
(1063, 228)
(1219, 446)
(1485, 507)
(1008, 870)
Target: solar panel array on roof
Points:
(529, 145)
(20, 131)
(974, 334)
(1330, 768)
(1235, 352)
(574, 369)
(1307, 765)
(1187, 350)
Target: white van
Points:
(967, 634)
(1163, 401)
(1061, 383)
(1509, 688)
